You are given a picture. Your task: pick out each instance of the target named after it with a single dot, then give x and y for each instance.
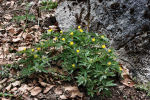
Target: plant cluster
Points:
(48, 5)
(26, 17)
(144, 87)
(84, 56)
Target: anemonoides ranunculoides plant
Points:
(84, 56)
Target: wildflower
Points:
(50, 30)
(63, 39)
(81, 30)
(109, 50)
(93, 39)
(32, 50)
(120, 68)
(71, 33)
(73, 65)
(24, 49)
(55, 38)
(71, 43)
(77, 51)
(102, 36)
(35, 56)
(61, 32)
(79, 27)
(38, 49)
(103, 46)
(109, 63)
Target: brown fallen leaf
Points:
(127, 81)
(5, 99)
(48, 88)
(9, 87)
(16, 39)
(43, 84)
(58, 91)
(63, 97)
(24, 88)
(14, 89)
(4, 80)
(7, 16)
(17, 83)
(35, 91)
(73, 90)
(126, 77)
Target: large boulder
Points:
(125, 22)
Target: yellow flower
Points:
(32, 50)
(55, 38)
(38, 49)
(61, 32)
(109, 63)
(24, 49)
(35, 56)
(103, 46)
(81, 30)
(120, 68)
(71, 43)
(73, 65)
(71, 33)
(63, 39)
(77, 51)
(109, 50)
(79, 27)
(93, 39)
(102, 36)
(50, 30)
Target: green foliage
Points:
(144, 87)
(48, 5)
(5, 95)
(84, 56)
(27, 16)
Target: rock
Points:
(125, 22)
(35, 91)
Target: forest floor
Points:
(22, 23)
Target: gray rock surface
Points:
(125, 22)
